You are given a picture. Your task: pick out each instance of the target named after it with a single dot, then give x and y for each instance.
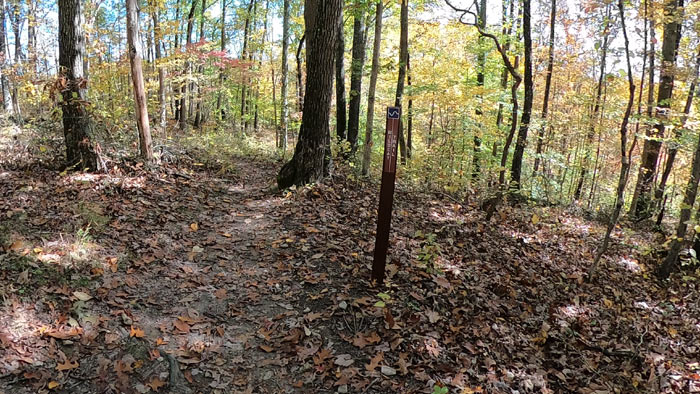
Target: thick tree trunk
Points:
(376, 52)
(340, 101)
(80, 153)
(312, 156)
(140, 100)
(652, 146)
(359, 43)
(674, 145)
(403, 62)
(516, 167)
(547, 86)
(285, 78)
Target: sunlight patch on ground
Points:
(23, 323)
(101, 181)
(630, 264)
(574, 311)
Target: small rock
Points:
(343, 388)
(343, 305)
(127, 320)
(388, 371)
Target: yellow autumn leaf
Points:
(608, 303)
(194, 226)
(673, 332)
(53, 384)
(535, 218)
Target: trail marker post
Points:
(386, 193)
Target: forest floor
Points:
(184, 279)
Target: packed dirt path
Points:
(184, 279)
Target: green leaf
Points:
(380, 304)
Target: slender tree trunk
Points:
(480, 79)
(547, 86)
(285, 78)
(340, 101)
(359, 43)
(219, 98)
(140, 101)
(158, 37)
(409, 115)
(198, 117)
(184, 110)
(652, 146)
(312, 159)
(596, 110)
(624, 155)
(4, 81)
(300, 83)
(516, 167)
(80, 152)
(376, 52)
(403, 61)
(244, 55)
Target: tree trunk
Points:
(184, 110)
(285, 78)
(480, 79)
(678, 131)
(198, 117)
(312, 156)
(158, 37)
(596, 109)
(80, 153)
(547, 86)
(652, 146)
(376, 52)
(219, 98)
(409, 115)
(244, 54)
(340, 101)
(359, 43)
(624, 156)
(300, 83)
(516, 167)
(403, 61)
(4, 81)
(140, 100)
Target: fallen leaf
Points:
(181, 326)
(66, 366)
(136, 332)
(344, 360)
(194, 226)
(374, 362)
(53, 384)
(155, 383)
(82, 296)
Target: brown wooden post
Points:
(386, 193)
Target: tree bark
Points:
(547, 86)
(158, 37)
(516, 167)
(340, 101)
(184, 110)
(140, 100)
(244, 55)
(624, 156)
(376, 52)
(285, 78)
(652, 146)
(403, 61)
(80, 153)
(300, 80)
(4, 81)
(359, 43)
(596, 109)
(312, 157)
